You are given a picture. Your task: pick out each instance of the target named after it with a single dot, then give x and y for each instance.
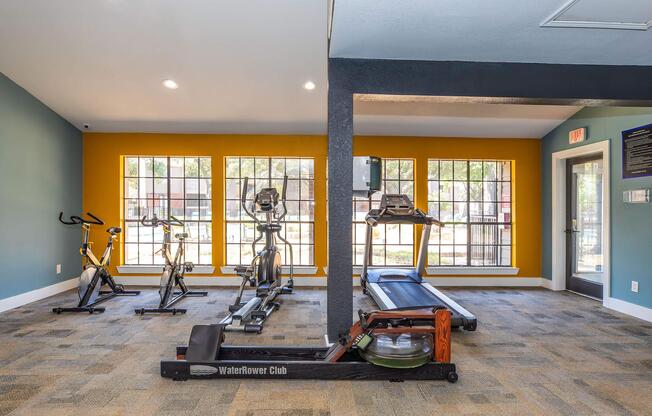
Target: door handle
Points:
(571, 231)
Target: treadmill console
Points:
(396, 204)
(398, 209)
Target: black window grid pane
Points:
(161, 204)
(485, 247)
(273, 178)
(404, 178)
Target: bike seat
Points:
(114, 230)
(181, 236)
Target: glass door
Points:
(584, 226)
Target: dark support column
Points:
(340, 197)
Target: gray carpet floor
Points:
(536, 352)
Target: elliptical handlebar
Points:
(283, 196)
(76, 219)
(243, 200)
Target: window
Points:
(167, 186)
(473, 199)
(298, 224)
(392, 244)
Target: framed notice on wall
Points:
(637, 152)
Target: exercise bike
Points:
(95, 272)
(264, 272)
(174, 270)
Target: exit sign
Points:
(577, 135)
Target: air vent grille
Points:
(603, 14)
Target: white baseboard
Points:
(475, 281)
(628, 308)
(37, 294)
(547, 284)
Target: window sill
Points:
(298, 270)
(357, 270)
(135, 269)
(472, 271)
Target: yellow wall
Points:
(103, 175)
(526, 185)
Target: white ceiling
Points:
(443, 117)
(241, 65)
(490, 31)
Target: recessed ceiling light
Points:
(171, 84)
(309, 85)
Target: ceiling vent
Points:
(603, 14)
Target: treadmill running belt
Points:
(413, 295)
(410, 295)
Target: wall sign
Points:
(577, 135)
(636, 196)
(637, 152)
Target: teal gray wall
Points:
(40, 175)
(631, 224)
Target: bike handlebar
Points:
(73, 220)
(76, 219)
(176, 221)
(155, 222)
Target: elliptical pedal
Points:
(236, 307)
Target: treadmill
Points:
(403, 288)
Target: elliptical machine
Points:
(264, 272)
(174, 270)
(95, 272)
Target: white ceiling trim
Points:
(552, 21)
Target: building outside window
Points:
(299, 223)
(392, 244)
(473, 200)
(167, 186)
